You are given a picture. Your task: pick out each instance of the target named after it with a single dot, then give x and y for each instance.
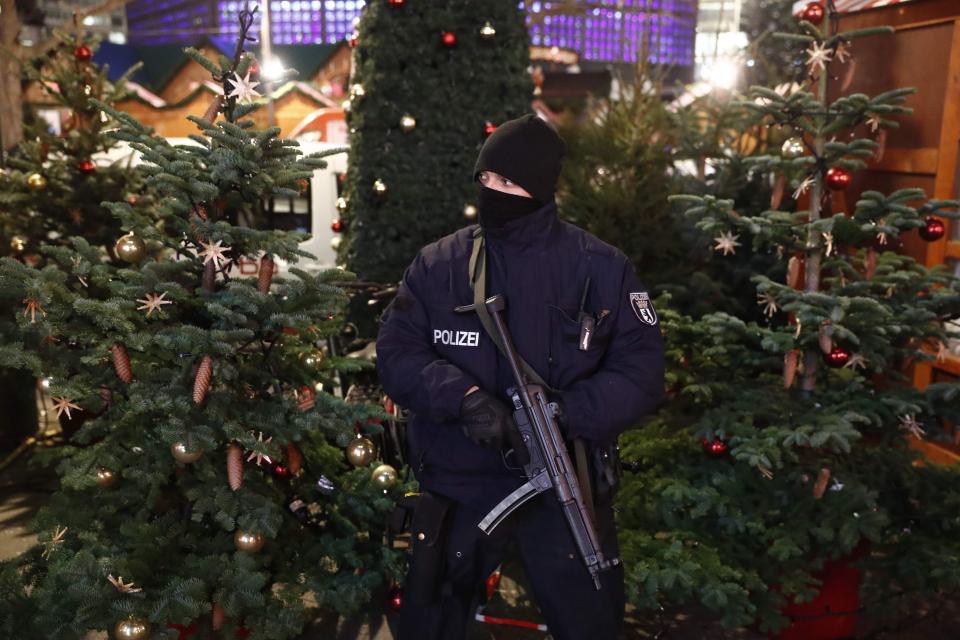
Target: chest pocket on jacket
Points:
(568, 362)
(458, 337)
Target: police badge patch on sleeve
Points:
(643, 308)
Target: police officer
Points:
(447, 371)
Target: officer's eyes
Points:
(506, 182)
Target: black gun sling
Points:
(478, 280)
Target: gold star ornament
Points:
(243, 89)
(33, 308)
(63, 405)
(214, 252)
(152, 302)
(259, 456)
(123, 587)
(726, 242)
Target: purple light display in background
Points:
(621, 30)
(299, 21)
(616, 31)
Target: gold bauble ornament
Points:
(379, 188)
(36, 182)
(469, 212)
(384, 476)
(185, 455)
(132, 628)
(408, 123)
(248, 542)
(105, 478)
(792, 148)
(361, 451)
(130, 248)
(18, 244)
(487, 31)
(314, 360)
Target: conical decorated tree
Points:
(54, 182)
(785, 446)
(421, 103)
(207, 491)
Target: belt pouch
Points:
(428, 539)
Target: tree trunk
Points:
(11, 100)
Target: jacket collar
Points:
(531, 230)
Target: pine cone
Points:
(121, 362)
(209, 277)
(793, 272)
(870, 264)
(820, 486)
(265, 276)
(217, 616)
(201, 383)
(826, 342)
(294, 459)
(235, 467)
(790, 361)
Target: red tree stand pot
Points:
(833, 613)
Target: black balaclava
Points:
(527, 151)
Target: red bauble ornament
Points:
(337, 225)
(933, 229)
(396, 598)
(493, 581)
(812, 13)
(86, 166)
(83, 53)
(489, 127)
(715, 447)
(254, 69)
(396, 3)
(352, 41)
(838, 178)
(837, 357)
(449, 39)
(281, 471)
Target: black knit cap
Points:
(528, 151)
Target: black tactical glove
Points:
(488, 421)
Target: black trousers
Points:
(573, 607)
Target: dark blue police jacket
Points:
(428, 355)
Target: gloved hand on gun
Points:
(488, 421)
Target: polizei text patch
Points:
(456, 338)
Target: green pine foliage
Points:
(69, 202)
(625, 161)
(164, 525)
(744, 532)
(403, 68)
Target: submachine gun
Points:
(549, 465)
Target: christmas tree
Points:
(55, 180)
(421, 104)
(785, 447)
(206, 492)
(630, 155)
